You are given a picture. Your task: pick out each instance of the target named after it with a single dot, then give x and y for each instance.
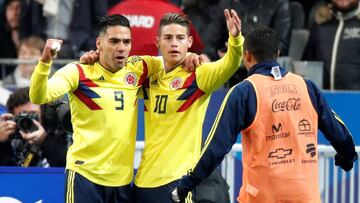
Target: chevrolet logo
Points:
(280, 153)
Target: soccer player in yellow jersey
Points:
(103, 101)
(175, 106)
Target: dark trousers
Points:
(78, 189)
(214, 189)
(158, 194)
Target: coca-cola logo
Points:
(292, 104)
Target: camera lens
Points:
(26, 124)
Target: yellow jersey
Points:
(175, 107)
(103, 114)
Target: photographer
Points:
(6, 129)
(24, 141)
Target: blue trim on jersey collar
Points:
(264, 68)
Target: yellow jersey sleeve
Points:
(44, 90)
(211, 76)
(153, 64)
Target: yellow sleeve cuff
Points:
(236, 41)
(43, 68)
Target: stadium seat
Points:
(297, 15)
(298, 41)
(312, 70)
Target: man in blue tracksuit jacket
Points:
(238, 113)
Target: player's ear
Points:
(247, 56)
(190, 41)
(98, 44)
(157, 41)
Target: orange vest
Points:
(280, 162)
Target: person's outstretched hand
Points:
(7, 126)
(344, 163)
(233, 22)
(178, 194)
(183, 187)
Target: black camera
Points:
(56, 120)
(57, 116)
(25, 154)
(24, 121)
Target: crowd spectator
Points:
(199, 13)
(335, 40)
(144, 17)
(49, 147)
(5, 93)
(30, 49)
(308, 6)
(9, 34)
(272, 13)
(73, 21)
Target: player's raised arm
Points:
(50, 50)
(213, 75)
(43, 90)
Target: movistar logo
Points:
(278, 133)
(277, 128)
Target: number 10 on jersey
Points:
(160, 104)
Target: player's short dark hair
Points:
(262, 42)
(174, 18)
(18, 98)
(112, 20)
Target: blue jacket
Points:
(239, 112)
